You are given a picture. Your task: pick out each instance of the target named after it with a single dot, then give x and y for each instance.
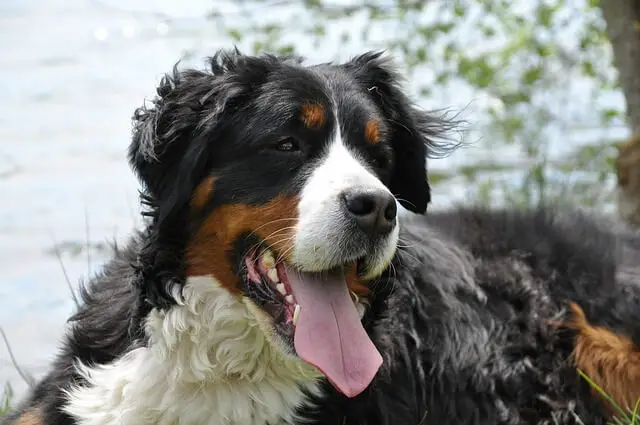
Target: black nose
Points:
(373, 211)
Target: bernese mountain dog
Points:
(287, 273)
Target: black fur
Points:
(463, 329)
(461, 316)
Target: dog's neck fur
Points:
(208, 362)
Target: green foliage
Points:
(535, 72)
(623, 416)
(5, 400)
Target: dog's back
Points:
(493, 313)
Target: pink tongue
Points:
(329, 333)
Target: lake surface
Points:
(71, 74)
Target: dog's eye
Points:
(288, 144)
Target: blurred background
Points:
(548, 89)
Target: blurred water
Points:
(71, 73)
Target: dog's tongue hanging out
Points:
(329, 333)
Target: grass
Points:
(7, 393)
(5, 401)
(623, 416)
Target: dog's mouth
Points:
(317, 315)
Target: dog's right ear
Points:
(169, 130)
(172, 134)
(149, 141)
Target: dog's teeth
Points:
(268, 260)
(280, 287)
(296, 312)
(273, 275)
(289, 299)
(361, 309)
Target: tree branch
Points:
(623, 29)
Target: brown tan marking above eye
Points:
(372, 132)
(202, 193)
(210, 250)
(313, 115)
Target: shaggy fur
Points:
(482, 317)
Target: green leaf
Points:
(608, 115)
(235, 34)
(588, 68)
(532, 75)
(286, 50)
(544, 15)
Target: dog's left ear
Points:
(415, 134)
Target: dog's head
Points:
(280, 182)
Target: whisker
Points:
(284, 253)
(275, 244)
(404, 243)
(383, 285)
(405, 246)
(263, 245)
(409, 254)
(392, 276)
(266, 238)
(285, 237)
(405, 200)
(272, 222)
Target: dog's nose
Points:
(373, 211)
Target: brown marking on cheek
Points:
(30, 417)
(313, 115)
(354, 283)
(202, 193)
(210, 250)
(612, 361)
(372, 132)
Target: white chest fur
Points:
(209, 362)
